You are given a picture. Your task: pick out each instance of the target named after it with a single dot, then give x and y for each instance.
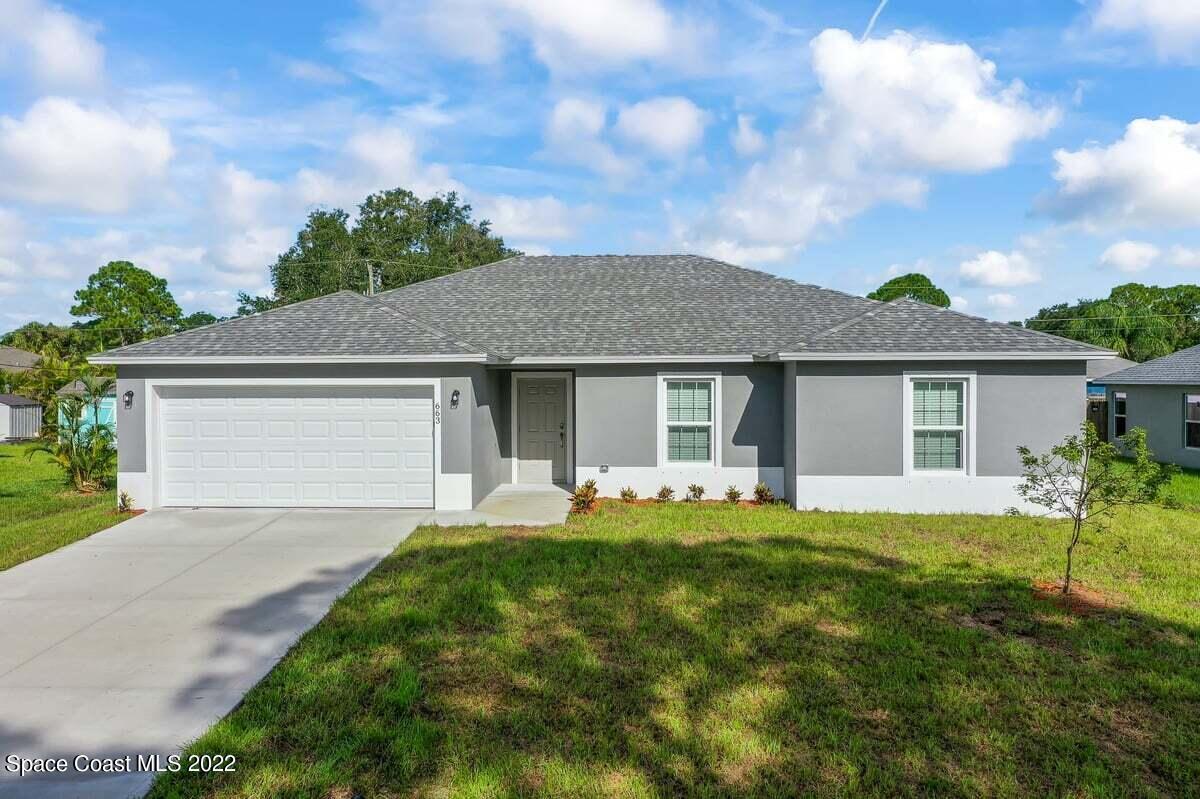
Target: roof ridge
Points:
(842, 325)
(455, 272)
(466, 346)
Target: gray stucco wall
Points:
(456, 427)
(849, 416)
(789, 432)
(616, 413)
(1159, 409)
(487, 464)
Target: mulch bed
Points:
(1082, 601)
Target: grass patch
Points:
(1183, 490)
(39, 511)
(711, 650)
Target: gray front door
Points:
(542, 426)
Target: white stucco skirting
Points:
(646, 480)
(453, 492)
(139, 486)
(910, 494)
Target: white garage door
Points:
(305, 447)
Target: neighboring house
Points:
(631, 370)
(20, 418)
(1097, 404)
(1163, 396)
(107, 407)
(15, 360)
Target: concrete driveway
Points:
(135, 640)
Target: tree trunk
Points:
(1070, 553)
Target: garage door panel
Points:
(354, 447)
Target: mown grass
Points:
(719, 651)
(1184, 490)
(39, 511)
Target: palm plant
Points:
(85, 452)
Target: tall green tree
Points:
(127, 304)
(914, 286)
(397, 239)
(1139, 322)
(41, 337)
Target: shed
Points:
(20, 418)
(107, 406)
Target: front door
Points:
(542, 426)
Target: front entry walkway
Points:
(532, 505)
(135, 640)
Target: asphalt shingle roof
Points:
(341, 324)
(1180, 368)
(905, 325)
(17, 359)
(624, 305)
(598, 306)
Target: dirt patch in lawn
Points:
(1082, 601)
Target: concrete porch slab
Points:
(526, 505)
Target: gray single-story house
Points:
(630, 370)
(1162, 396)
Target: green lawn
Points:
(39, 512)
(1184, 490)
(718, 651)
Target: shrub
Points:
(584, 498)
(763, 494)
(124, 502)
(628, 494)
(695, 492)
(665, 494)
(86, 452)
(733, 494)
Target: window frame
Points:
(1187, 400)
(714, 449)
(1120, 396)
(968, 427)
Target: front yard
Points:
(39, 512)
(719, 651)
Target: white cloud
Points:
(666, 126)
(59, 50)
(566, 37)
(1150, 177)
(890, 112)
(312, 72)
(574, 133)
(1172, 26)
(536, 218)
(959, 303)
(747, 141)
(1130, 256)
(923, 104)
(1001, 300)
(993, 268)
(91, 158)
(1185, 257)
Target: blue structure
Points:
(108, 408)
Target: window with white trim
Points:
(689, 420)
(939, 424)
(1191, 421)
(1120, 420)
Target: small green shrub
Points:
(733, 494)
(763, 494)
(665, 494)
(584, 498)
(695, 492)
(628, 494)
(124, 502)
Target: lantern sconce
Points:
(454, 395)
(128, 397)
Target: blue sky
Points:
(1020, 153)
